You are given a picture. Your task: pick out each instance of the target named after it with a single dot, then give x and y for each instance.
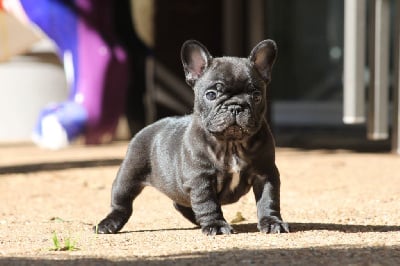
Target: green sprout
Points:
(69, 245)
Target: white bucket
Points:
(28, 83)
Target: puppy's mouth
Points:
(231, 133)
(234, 132)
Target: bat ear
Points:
(195, 59)
(263, 57)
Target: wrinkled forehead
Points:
(230, 69)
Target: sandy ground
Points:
(343, 209)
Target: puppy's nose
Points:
(235, 109)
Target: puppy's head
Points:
(230, 92)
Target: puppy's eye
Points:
(211, 95)
(257, 96)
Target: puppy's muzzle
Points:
(235, 131)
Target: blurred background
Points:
(305, 96)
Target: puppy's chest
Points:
(233, 176)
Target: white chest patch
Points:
(236, 166)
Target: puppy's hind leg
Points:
(126, 187)
(187, 212)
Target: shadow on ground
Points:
(296, 227)
(330, 255)
(345, 228)
(351, 138)
(56, 166)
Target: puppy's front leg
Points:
(206, 207)
(126, 187)
(266, 190)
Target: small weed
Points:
(97, 229)
(69, 245)
(238, 218)
(57, 219)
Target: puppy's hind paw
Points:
(272, 225)
(217, 228)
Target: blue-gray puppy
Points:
(213, 156)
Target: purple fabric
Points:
(103, 66)
(86, 28)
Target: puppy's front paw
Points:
(273, 225)
(217, 228)
(112, 223)
(106, 226)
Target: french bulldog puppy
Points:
(212, 156)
